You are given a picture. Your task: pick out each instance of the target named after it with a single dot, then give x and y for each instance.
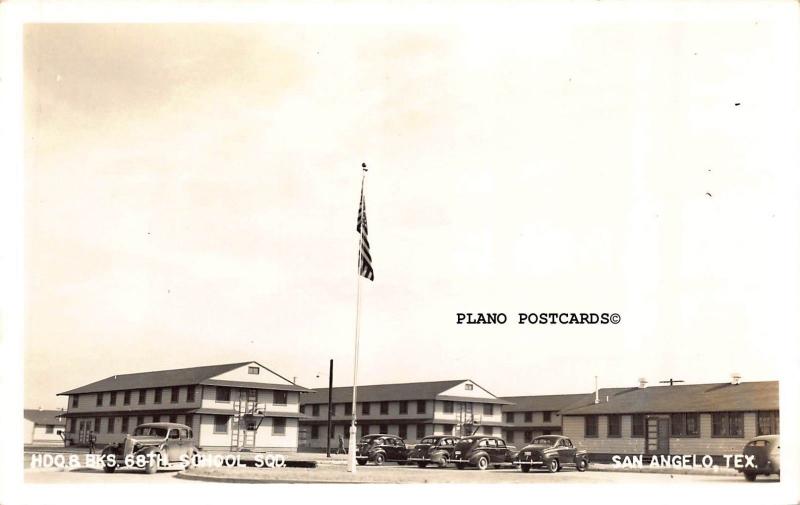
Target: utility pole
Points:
(330, 410)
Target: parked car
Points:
(552, 452)
(765, 452)
(437, 450)
(380, 449)
(152, 446)
(482, 451)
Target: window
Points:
(420, 430)
(365, 430)
(384, 408)
(637, 425)
(510, 435)
(142, 396)
(157, 395)
(97, 425)
(315, 432)
(126, 421)
(448, 407)
(315, 410)
(136, 421)
(509, 417)
(685, 425)
(278, 425)
(112, 423)
(402, 431)
(614, 425)
(174, 394)
(420, 406)
(547, 416)
(173, 418)
(189, 394)
(253, 370)
(487, 430)
(727, 424)
(768, 423)
(488, 409)
(348, 409)
(220, 424)
(528, 417)
(99, 399)
(189, 420)
(590, 426)
(528, 436)
(250, 426)
(468, 387)
(74, 401)
(280, 397)
(223, 394)
(48, 428)
(404, 407)
(365, 408)
(302, 409)
(383, 429)
(112, 400)
(126, 398)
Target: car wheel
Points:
(109, 468)
(460, 466)
(422, 464)
(582, 465)
(443, 462)
(553, 466)
(483, 463)
(151, 465)
(525, 468)
(379, 459)
(362, 462)
(190, 463)
(750, 476)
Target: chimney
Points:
(735, 378)
(596, 392)
(642, 383)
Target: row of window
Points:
(127, 425)
(402, 430)
(140, 395)
(366, 408)
(723, 424)
(221, 425)
(222, 394)
(547, 416)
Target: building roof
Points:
(175, 377)
(39, 416)
(394, 392)
(719, 397)
(546, 402)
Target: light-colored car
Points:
(765, 452)
(152, 446)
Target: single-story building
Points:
(714, 419)
(42, 427)
(411, 410)
(229, 407)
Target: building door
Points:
(657, 435)
(83, 433)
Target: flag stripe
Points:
(364, 257)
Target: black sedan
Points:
(552, 452)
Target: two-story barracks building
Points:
(410, 410)
(228, 407)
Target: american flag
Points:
(364, 258)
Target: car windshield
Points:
(543, 441)
(150, 431)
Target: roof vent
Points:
(736, 377)
(642, 383)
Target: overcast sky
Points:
(192, 194)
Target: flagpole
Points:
(351, 446)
